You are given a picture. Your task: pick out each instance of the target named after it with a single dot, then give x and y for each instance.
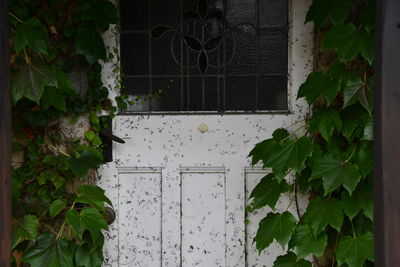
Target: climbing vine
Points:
(330, 153)
(58, 212)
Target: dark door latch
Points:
(107, 137)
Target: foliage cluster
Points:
(329, 154)
(58, 217)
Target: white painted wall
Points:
(179, 193)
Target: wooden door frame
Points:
(5, 141)
(387, 132)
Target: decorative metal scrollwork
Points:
(201, 40)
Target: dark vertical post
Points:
(5, 144)
(387, 134)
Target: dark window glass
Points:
(205, 55)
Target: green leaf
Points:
(25, 230)
(56, 207)
(355, 250)
(30, 34)
(89, 44)
(322, 212)
(87, 160)
(307, 242)
(92, 195)
(361, 199)
(354, 119)
(290, 260)
(88, 219)
(267, 192)
(318, 83)
(349, 42)
(335, 173)
(280, 134)
(50, 252)
(103, 13)
(52, 98)
(357, 90)
(262, 150)
(87, 258)
(278, 226)
(51, 176)
(289, 154)
(367, 17)
(30, 82)
(365, 158)
(321, 10)
(325, 121)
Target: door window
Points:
(205, 55)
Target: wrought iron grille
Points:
(205, 55)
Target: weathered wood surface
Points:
(5, 147)
(387, 134)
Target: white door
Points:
(181, 181)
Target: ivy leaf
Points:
(267, 192)
(361, 199)
(102, 13)
(50, 252)
(321, 212)
(261, 151)
(307, 242)
(355, 250)
(321, 10)
(325, 121)
(56, 207)
(349, 42)
(30, 82)
(354, 119)
(280, 134)
(87, 160)
(289, 154)
(290, 260)
(92, 195)
(89, 44)
(88, 219)
(318, 83)
(335, 173)
(30, 34)
(365, 159)
(357, 90)
(278, 226)
(87, 258)
(25, 229)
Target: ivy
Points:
(329, 154)
(58, 217)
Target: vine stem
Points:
(64, 223)
(334, 249)
(15, 17)
(296, 200)
(59, 150)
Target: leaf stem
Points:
(15, 17)
(59, 150)
(352, 227)
(351, 155)
(64, 223)
(290, 203)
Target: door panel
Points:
(181, 182)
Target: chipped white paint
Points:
(179, 193)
